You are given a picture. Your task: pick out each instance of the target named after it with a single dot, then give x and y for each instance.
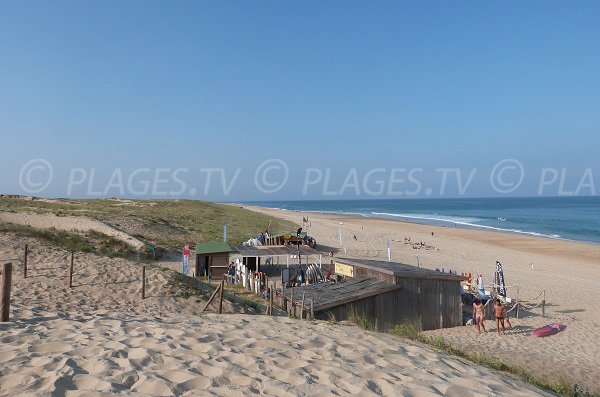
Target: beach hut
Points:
(386, 294)
(276, 255)
(212, 258)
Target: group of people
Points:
(419, 245)
(500, 314)
(263, 237)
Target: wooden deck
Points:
(328, 295)
(397, 269)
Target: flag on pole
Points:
(224, 232)
(389, 250)
(187, 253)
(500, 277)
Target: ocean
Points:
(572, 218)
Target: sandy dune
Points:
(100, 338)
(68, 223)
(569, 272)
(228, 355)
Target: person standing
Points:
(499, 312)
(479, 314)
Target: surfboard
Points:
(548, 330)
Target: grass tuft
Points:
(360, 319)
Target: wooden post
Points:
(302, 306)
(212, 297)
(312, 309)
(71, 271)
(25, 262)
(5, 284)
(221, 297)
(144, 282)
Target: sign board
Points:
(344, 270)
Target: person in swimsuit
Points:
(479, 314)
(499, 312)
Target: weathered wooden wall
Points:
(425, 303)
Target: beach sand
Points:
(568, 272)
(100, 338)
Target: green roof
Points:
(213, 247)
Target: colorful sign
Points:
(344, 270)
(187, 254)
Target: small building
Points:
(212, 258)
(386, 294)
(255, 256)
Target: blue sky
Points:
(321, 85)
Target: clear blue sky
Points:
(157, 84)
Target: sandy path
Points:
(568, 271)
(68, 223)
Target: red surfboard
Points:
(548, 330)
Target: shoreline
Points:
(434, 223)
(479, 234)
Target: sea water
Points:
(573, 218)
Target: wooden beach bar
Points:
(386, 294)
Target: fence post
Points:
(25, 262)
(221, 297)
(302, 306)
(5, 284)
(144, 282)
(71, 271)
(312, 309)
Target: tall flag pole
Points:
(500, 278)
(224, 232)
(389, 250)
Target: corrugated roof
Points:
(400, 269)
(213, 247)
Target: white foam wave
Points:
(469, 222)
(437, 218)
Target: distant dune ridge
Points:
(100, 337)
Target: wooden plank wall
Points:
(361, 271)
(430, 304)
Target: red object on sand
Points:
(548, 330)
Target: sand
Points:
(100, 338)
(568, 272)
(68, 223)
